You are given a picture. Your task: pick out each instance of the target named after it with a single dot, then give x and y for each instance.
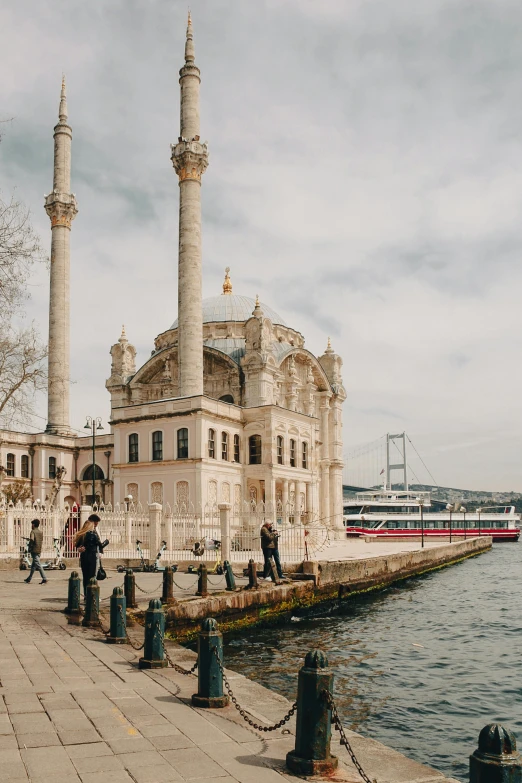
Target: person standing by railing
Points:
(88, 544)
(35, 550)
(270, 549)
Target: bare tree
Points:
(22, 355)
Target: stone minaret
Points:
(190, 159)
(61, 207)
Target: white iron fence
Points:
(210, 534)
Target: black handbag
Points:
(101, 575)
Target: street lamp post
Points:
(478, 512)
(93, 424)
(450, 508)
(421, 504)
(464, 511)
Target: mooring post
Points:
(73, 596)
(229, 576)
(496, 759)
(311, 755)
(252, 575)
(118, 632)
(210, 677)
(91, 618)
(154, 652)
(167, 595)
(129, 584)
(273, 572)
(202, 581)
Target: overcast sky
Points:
(365, 180)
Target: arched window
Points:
(10, 465)
(237, 454)
(254, 449)
(212, 444)
(292, 453)
(98, 473)
(227, 398)
(280, 452)
(183, 443)
(304, 454)
(52, 467)
(224, 446)
(133, 447)
(24, 466)
(157, 445)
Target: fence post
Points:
(311, 755)
(73, 597)
(9, 520)
(224, 519)
(85, 512)
(167, 595)
(496, 759)
(153, 653)
(229, 576)
(118, 632)
(154, 529)
(91, 618)
(202, 581)
(210, 678)
(129, 584)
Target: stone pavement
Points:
(73, 708)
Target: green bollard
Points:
(229, 576)
(496, 759)
(167, 595)
(73, 598)
(91, 617)
(210, 678)
(118, 631)
(153, 653)
(311, 755)
(129, 584)
(252, 575)
(202, 581)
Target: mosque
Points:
(230, 406)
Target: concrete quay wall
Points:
(323, 582)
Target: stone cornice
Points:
(61, 208)
(190, 159)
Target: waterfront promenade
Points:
(73, 708)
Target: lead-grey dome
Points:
(230, 307)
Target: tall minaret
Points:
(190, 159)
(61, 207)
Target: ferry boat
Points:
(388, 513)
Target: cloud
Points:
(363, 180)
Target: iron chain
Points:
(180, 587)
(105, 631)
(344, 739)
(149, 592)
(220, 582)
(243, 712)
(175, 666)
(129, 640)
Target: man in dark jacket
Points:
(269, 538)
(35, 550)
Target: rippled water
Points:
(421, 666)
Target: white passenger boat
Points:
(386, 513)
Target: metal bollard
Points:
(311, 755)
(273, 573)
(73, 597)
(252, 575)
(496, 759)
(210, 678)
(229, 576)
(202, 581)
(167, 595)
(91, 618)
(118, 632)
(129, 584)
(153, 653)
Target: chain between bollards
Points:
(127, 637)
(149, 592)
(343, 738)
(176, 666)
(243, 712)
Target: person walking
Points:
(35, 550)
(88, 544)
(269, 538)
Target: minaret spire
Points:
(190, 159)
(61, 207)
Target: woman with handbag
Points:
(88, 544)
